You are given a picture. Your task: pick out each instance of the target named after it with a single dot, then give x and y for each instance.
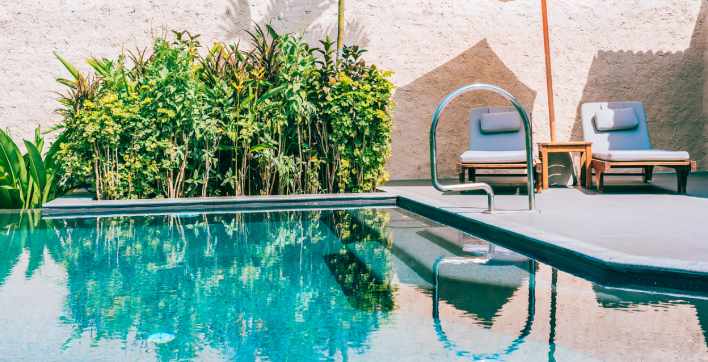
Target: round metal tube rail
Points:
(482, 185)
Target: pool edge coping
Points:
(106, 208)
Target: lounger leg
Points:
(538, 177)
(462, 176)
(647, 173)
(679, 187)
(599, 177)
(472, 175)
(600, 168)
(582, 170)
(682, 175)
(544, 160)
(588, 166)
(537, 180)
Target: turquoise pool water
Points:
(343, 285)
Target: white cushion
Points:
(616, 119)
(500, 122)
(493, 157)
(641, 155)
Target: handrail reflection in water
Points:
(436, 312)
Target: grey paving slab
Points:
(631, 221)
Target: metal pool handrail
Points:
(482, 185)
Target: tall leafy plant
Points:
(280, 118)
(356, 120)
(146, 134)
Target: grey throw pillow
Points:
(616, 119)
(500, 122)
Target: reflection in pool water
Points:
(311, 285)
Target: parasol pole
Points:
(340, 28)
(549, 80)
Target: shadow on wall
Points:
(418, 101)
(317, 18)
(671, 86)
(237, 19)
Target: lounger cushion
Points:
(641, 155)
(493, 157)
(500, 122)
(616, 119)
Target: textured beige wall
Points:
(602, 50)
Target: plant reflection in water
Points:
(252, 283)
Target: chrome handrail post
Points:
(481, 185)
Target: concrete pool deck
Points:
(630, 223)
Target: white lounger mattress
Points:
(493, 157)
(641, 155)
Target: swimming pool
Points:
(360, 284)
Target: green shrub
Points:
(282, 118)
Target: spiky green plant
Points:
(28, 181)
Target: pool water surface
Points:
(343, 285)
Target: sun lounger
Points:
(620, 139)
(497, 141)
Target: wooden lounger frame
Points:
(462, 167)
(602, 168)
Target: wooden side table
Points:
(585, 149)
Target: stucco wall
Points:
(602, 50)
